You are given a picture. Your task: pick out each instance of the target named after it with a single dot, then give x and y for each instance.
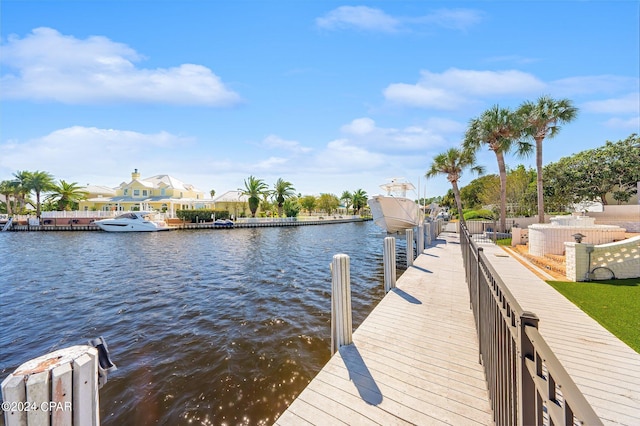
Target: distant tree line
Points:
(283, 198)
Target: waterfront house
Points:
(161, 193)
(234, 202)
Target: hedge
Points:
(195, 216)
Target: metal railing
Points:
(527, 383)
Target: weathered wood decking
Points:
(414, 360)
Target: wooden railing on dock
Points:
(527, 384)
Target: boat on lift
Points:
(133, 222)
(394, 212)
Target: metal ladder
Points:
(8, 224)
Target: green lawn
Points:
(613, 303)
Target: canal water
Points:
(206, 327)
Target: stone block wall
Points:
(621, 258)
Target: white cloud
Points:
(454, 19)
(629, 104)
(360, 17)
(363, 132)
(55, 67)
(371, 19)
(88, 153)
(632, 123)
(274, 141)
(359, 126)
(455, 87)
(589, 84)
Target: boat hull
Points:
(131, 222)
(394, 214)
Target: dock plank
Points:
(414, 360)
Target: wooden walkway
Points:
(414, 360)
(606, 370)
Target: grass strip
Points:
(615, 304)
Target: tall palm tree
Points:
(358, 200)
(282, 190)
(501, 130)
(452, 163)
(254, 188)
(66, 194)
(346, 199)
(6, 189)
(39, 182)
(20, 188)
(542, 120)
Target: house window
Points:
(126, 192)
(136, 192)
(144, 192)
(162, 192)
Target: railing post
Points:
(409, 233)
(341, 322)
(478, 302)
(389, 261)
(526, 386)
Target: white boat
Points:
(394, 212)
(132, 222)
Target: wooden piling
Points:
(420, 239)
(389, 261)
(341, 320)
(410, 256)
(60, 388)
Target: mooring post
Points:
(60, 388)
(341, 322)
(420, 239)
(389, 261)
(409, 233)
(427, 231)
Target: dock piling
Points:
(410, 256)
(341, 320)
(389, 261)
(420, 239)
(60, 388)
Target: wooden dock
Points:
(414, 360)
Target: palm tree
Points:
(358, 200)
(500, 129)
(39, 182)
(346, 199)
(452, 163)
(213, 193)
(20, 189)
(66, 194)
(6, 189)
(254, 188)
(542, 120)
(282, 190)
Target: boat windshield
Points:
(127, 216)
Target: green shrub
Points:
(479, 214)
(195, 216)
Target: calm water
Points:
(206, 327)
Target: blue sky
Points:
(330, 96)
